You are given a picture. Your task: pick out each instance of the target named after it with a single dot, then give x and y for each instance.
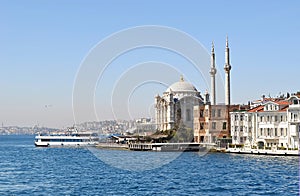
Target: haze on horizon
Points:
(44, 43)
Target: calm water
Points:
(26, 170)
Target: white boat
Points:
(69, 138)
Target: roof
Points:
(283, 102)
(181, 86)
(279, 102)
(260, 108)
(284, 109)
(257, 109)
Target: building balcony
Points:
(294, 121)
(295, 106)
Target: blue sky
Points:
(44, 42)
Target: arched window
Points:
(188, 115)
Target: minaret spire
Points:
(226, 41)
(227, 69)
(213, 72)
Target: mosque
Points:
(183, 105)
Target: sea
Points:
(29, 170)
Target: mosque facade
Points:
(176, 105)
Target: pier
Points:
(170, 147)
(273, 152)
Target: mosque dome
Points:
(181, 86)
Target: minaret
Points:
(213, 72)
(227, 69)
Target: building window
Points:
(188, 115)
(201, 113)
(241, 117)
(213, 113)
(275, 132)
(219, 112)
(285, 132)
(276, 118)
(281, 119)
(213, 125)
(261, 118)
(261, 131)
(201, 126)
(236, 117)
(281, 131)
(224, 125)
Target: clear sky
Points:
(43, 43)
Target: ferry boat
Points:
(69, 138)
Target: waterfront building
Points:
(212, 122)
(176, 105)
(272, 124)
(182, 104)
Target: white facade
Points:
(275, 124)
(176, 105)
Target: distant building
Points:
(272, 124)
(264, 100)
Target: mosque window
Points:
(188, 115)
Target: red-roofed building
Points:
(272, 124)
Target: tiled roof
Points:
(282, 102)
(257, 109)
(284, 109)
(260, 108)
